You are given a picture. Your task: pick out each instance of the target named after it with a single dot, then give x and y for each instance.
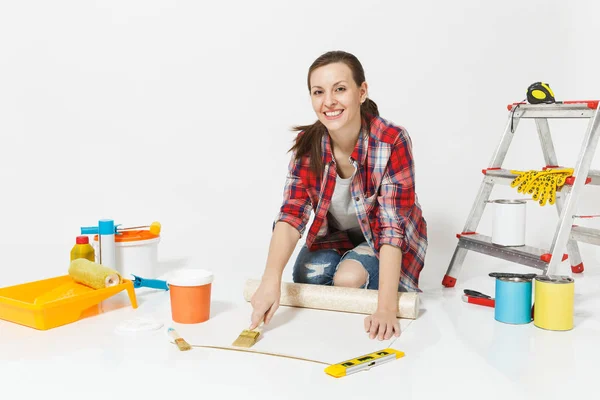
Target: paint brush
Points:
(181, 344)
(248, 337)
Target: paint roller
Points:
(93, 275)
(86, 276)
(336, 298)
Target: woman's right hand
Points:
(265, 301)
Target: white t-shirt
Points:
(342, 212)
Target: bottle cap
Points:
(106, 227)
(82, 240)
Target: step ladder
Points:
(566, 236)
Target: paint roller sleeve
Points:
(94, 275)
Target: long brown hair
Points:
(310, 141)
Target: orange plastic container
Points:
(53, 302)
(190, 293)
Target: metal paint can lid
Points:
(509, 201)
(514, 279)
(555, 279)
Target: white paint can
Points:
(508, 225)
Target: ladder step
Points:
(504, 176)
(525, 255)
(575, 109)
(594, 177)
(586, 235)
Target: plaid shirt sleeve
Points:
(296, 206)
(397, 195)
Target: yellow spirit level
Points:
(363, 363)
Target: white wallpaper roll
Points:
(335, 298)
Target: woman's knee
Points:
(312, 274)
(350, 273)
(314, 268)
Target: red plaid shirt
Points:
(383, 192)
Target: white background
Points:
(180, 111)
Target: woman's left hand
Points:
(382, 324)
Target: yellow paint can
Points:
(553, 304)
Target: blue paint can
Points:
(513, 300)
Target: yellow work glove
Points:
(541, 185)
(524, 180)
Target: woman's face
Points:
(335, 97)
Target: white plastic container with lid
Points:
(136, 253)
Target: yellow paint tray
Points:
(48, 303)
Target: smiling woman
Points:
(355, 170)
(338, 89)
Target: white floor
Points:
(454, 350)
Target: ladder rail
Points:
(551, 159)
(505, 141)
(581, 170)
(543, 129)
(485, 188)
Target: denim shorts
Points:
(318, 267)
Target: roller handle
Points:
(93, 230)
(89, 230)
(150, 283)
(474, 293)
(481, 301)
